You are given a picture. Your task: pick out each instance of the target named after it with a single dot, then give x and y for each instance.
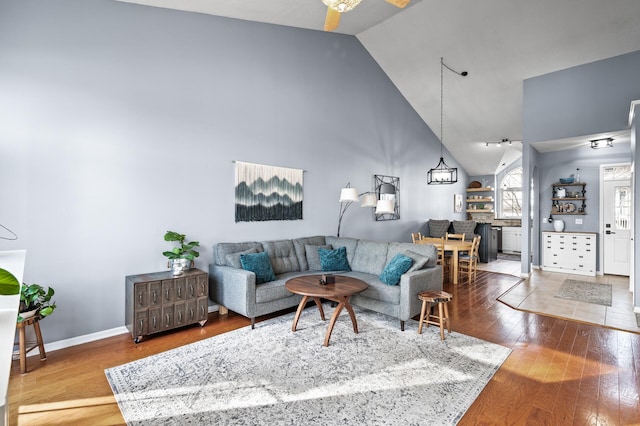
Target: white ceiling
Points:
(499, 42)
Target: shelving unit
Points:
(480, 205)
(561, 205)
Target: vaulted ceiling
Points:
(499, 42)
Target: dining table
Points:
(455, 247)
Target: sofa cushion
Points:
(419, 261)
(377, 290)
(223, 249)
(427, 250)
(393, 270)
(349, 243)
(233, 259)
(334, 260)
(299, 245)
(466, 227)
(438, 228)
(370, 257)
(282, 255)
(313, 257)
(259, 264)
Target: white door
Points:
(617, 226)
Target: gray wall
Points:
(588, 99)
(583, 100)
(120, 122)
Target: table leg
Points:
(454, 266)
(303, 302)
(334, 317)
(319, 305)
(352, 314)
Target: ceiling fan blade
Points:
(332, 20)
(398, 3)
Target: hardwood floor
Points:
(559, 373)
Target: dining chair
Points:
(416, 236)
(468, 263)
(455, 236)
(442, 258)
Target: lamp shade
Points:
(348, 194)
(385, 207)
(387, 188)
(369, 200)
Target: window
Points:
(511, 194)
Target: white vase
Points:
(178, 266)
(558, 225)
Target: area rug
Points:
(272, 375)
(585, 291)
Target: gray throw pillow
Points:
(419, 261)
(313, 257)
(233, 259)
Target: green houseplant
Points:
(36, 299)
(182, 256)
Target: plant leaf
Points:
(8, 283)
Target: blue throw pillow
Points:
(334, 260)
(394, 269)
(259, 264)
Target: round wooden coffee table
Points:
(340, 292)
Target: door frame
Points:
(601, 219)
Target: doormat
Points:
(509, 256)
(585, 291)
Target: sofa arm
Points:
(413, 283)
(233, 288)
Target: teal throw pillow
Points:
(395, 268)
(334, 260)
(259, 264)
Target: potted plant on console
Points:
(181, 258)
(35, 300)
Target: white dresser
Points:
(571, 252)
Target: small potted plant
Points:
(35, 300)
(181, 258)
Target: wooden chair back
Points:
(442, 260)
(455, 236)
(416, 236)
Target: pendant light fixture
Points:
(442, 173)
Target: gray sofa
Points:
(235, 288)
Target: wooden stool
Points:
(441, 298)
(22, 343)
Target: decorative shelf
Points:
(565, 213)
(480, 200)
(569, 199)
(480, 189)
(569, 184)
(480, 210)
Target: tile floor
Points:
(536, 294)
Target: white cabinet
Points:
(572, 252)
(511, 239)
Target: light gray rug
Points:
(271, 375)
(585, 291)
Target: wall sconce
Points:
(387, 189)
(602, 143)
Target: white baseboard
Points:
(86, 338)
(91, 337)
